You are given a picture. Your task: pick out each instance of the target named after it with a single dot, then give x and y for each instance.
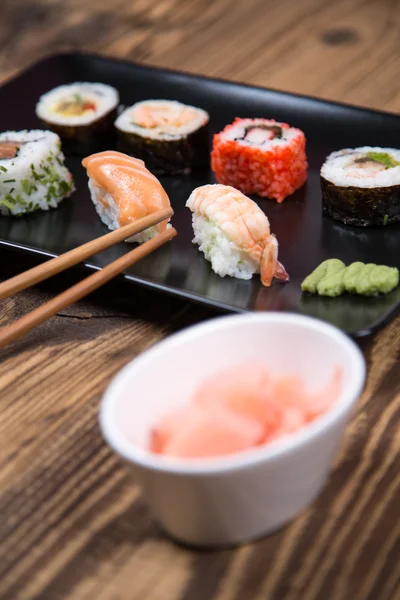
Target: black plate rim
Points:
(188, 74)
(198, 298)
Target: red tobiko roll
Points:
(260, 156)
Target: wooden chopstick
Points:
(81, 289)
(73, 257)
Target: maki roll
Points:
(169, 136)
(260, 156)
(234, 234)
(361, 186)
(32, 172)
(123, 191)
(82, 114)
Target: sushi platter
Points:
(281, 202)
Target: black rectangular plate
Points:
(305, 237)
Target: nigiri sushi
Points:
(234, 234)
(123, 190)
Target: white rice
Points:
(36, 177)
(226, 258)
(109, 215)
(339, 169)
(238, 131)
(166, 132)
(105, 97)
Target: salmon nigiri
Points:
(123, 190)
(234, 234)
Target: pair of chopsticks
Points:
(88, 285)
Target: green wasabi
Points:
(332, 278)
(363, 283)
(350, 276)
(326, 269)
(332, 285)
(384, 279)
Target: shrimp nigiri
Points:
(234, 234)
(123, 190)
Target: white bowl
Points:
(232, 499)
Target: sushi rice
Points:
(226, 257)
(35, 178)
(344, 168)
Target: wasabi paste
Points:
(332, 278)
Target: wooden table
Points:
(72, 523)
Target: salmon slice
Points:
(157, 115)
(135, 191)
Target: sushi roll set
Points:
(124, 149)
(169, 136)
(32, 172)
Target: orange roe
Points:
(274, 172)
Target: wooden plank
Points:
(73, 524)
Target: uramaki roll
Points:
(32, 172)
(260, 156)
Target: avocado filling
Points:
(383, 159)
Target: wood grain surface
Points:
(72, 523)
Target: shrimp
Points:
(243, 223)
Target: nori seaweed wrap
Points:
(168, 136)
(361, 186)
(82, 114)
